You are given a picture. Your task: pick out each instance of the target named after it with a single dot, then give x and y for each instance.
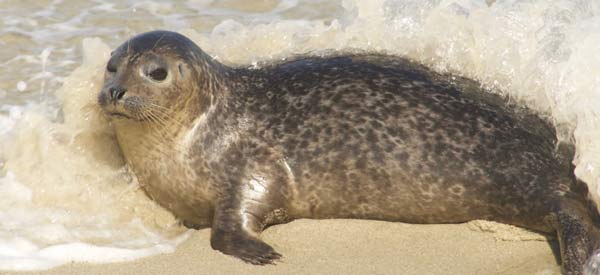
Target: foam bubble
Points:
(21, 86)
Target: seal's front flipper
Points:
(235, 230)
(241, 245)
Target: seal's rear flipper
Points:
(579, 239)
(592, 266)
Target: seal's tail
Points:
(592, 264)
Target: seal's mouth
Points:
(119, 115)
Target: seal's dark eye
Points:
(158, 74)
(111, 67)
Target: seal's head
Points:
(153, 73)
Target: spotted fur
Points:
(363, 136)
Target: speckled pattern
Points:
(364, 136)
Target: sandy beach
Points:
(358, 247)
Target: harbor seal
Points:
(361, 136)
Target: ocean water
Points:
(67, 195)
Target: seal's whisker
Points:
(167, 113)
(161, 128)
(159, 122)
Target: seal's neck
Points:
(142, 140)
(197, 115)
(212, 90)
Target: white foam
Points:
(21, 86)
(37, 238)
(14, 191)
(21, 254)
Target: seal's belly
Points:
(393, 191)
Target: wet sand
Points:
(358, 247)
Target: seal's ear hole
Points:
(158, 74)
(180, 67)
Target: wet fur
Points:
(355, 136)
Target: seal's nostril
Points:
(121, 93)
(116, 93)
